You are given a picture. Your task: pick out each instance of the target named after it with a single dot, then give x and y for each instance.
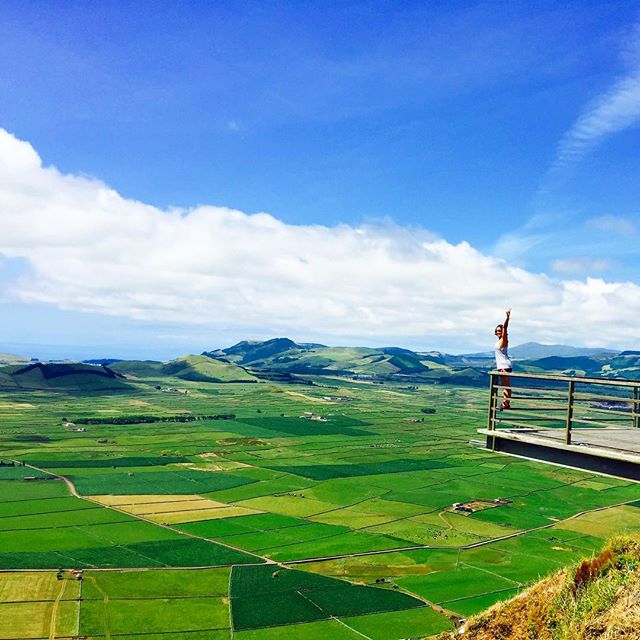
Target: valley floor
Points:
(275, 513)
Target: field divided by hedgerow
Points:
(374, 474)
(264, 596)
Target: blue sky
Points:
(510, 126)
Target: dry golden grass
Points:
(205, 514)
(602, 602)
(125, 501)
(173, 509)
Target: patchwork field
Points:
(269, 524)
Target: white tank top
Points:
(502, 357)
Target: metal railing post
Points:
(492, 407)
(572, 385)
(636, 407)
(492, 402)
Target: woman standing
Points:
(503, 362)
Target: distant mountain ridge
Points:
(282, 355)
(281, 360)
(531, 350)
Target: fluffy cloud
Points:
(90, 249)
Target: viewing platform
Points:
(585, 423)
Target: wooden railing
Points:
(556, 401)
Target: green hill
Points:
(138, 368)
(282, 354)
(205, 369)
(191, 367)
(67, 376)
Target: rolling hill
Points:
(191, 367)
(71, 376)
(282, 355)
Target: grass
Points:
(366, 480)
(172, 509)
(154, 601)
(265, 597)
(310, 631)
(412, 623)
(100, 617)
(597, 598)
(37, 605)
(155, 584)
(155, 482)
(444, 586)
(26, 587)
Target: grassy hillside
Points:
(138, 368)
(191, 367)
(598, 598)
(205, 369)
(73, 376)
(282, 354)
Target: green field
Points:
(350, 511)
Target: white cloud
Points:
(90, 249)
(581, 265)
(613, 224)
(615, 110)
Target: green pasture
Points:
(264, 596)
(343, 494)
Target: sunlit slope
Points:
(598, 598)
(204, 369)
(285, 355)
(190, 367)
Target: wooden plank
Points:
(618, 382)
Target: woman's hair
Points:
(500, 326)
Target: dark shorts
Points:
(505, 370)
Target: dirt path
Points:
(105, 610)
(54, 611)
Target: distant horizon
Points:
(87, 352)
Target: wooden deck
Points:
(587, 423)
(612, 451)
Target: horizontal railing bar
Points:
(609, 412)
(605, 419)
(529, 404)
(537, 415)
(518, 397)
(577, 379)
(595, 398)
(540, 389)
(578, 397)
(594, 422)
(532, 419)
(519, 408)
(526, 426)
